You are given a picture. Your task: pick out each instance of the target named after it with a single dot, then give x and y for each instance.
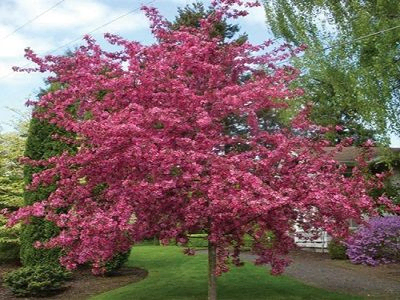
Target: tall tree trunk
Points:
(212, 264)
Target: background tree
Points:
(40, 145)
(11, 189)
(351, 67)
(12, 146)
(191, 16)
(45, 140)
(11, 178)
(150, 156)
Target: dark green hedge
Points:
(40, 145)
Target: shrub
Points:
(43, 280)
(337, 249)
(9, 250)
(9, 243)
(377, 242)
(198, 240)
(116, 262)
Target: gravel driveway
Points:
(317, 269)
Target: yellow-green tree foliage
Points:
(351, 69)
(12, 147)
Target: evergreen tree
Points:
(40, 145)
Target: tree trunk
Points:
(212, 264)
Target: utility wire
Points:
(101, 26)
(80, 37)
(347, 42)
(32, 20)
(362, 37)
(152, 1)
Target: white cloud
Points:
(184, 2)
(15, 44)
(69, 15)
(129, 23)
(64, 23)
(256, 16)
(10, 78)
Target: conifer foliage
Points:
(148, 127)
(40, 145)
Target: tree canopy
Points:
(351, 67)
(147, 123)
(191, 15)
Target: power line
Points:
(152, 1)
(362, 37)
(80, 37)
(32, 20)
(101, 26)
(349, 42)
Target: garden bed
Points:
(84, 284)
(314, 269)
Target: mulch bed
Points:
(83, 285)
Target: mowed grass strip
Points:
(175, 276)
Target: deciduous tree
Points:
(151, 158)
(351, 66)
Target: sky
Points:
(54, 26)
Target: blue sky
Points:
(66, 23)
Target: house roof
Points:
(349, 154)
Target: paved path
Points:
(319, 270)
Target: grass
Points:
(175, 276)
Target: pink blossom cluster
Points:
(150, 161)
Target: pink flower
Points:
(338, 128)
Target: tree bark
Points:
(212, 278)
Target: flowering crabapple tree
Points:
(151, 153)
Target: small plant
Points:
(337, 249)
(116, 262)
(377, 242)
(9, 243)
(9, 250)
(40, 280)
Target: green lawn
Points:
(175, 276)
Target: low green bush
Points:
(337, 249)
(39, 280)
(9, 250)
(116, 262)
(9, 243)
